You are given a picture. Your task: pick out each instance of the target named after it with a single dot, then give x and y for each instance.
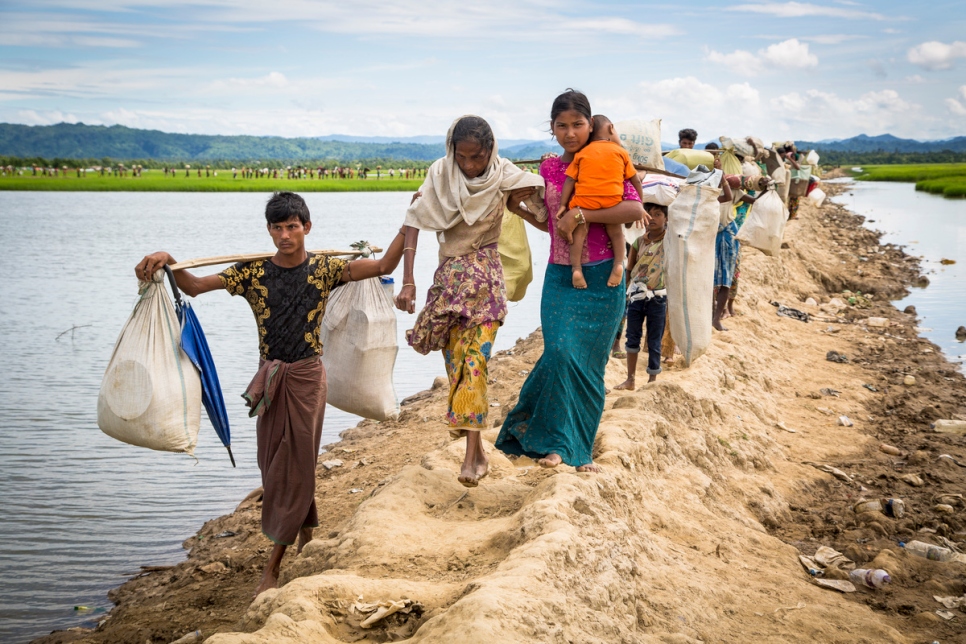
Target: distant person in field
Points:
(288, 294)
(686, 138)
(595, 180)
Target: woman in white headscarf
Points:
(462, 200)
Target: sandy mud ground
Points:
(693, 531)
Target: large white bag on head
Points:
(151, 393)
(765, 226)
(659, 189)
(689, 266)
(358, 337)
(642, 140)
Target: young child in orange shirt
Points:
(595, 180)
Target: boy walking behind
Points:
(288, 294)
(646, 296)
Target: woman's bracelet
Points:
(580, 217)
(409, 248)
(413, 285)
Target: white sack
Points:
(765, 226)
(817, 196)
(642, 140)
(359, 349)
(689, 268)
(151, 393)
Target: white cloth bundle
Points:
(765, 226)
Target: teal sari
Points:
(562, 399)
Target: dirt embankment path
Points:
(691, 533)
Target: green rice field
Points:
(947, 179)
(156, 181)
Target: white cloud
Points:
(873, 112)
(33, 117)
(934, 55)
(891, 31)
(804, 10)
(789, 54)
(958, 107)
(272, 79)
(832, 39)
(915, 78)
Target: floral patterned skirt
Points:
(467, 291)
(466, 355)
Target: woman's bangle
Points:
(409, 248)
(580, 217)
(413, 285)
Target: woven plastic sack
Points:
(660, 190)
(642, 140)
(515, 256)
(689, 269)
(151, 393)
(358, 335)
(765, 226)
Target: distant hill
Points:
(117, 142)
(885, 143)
(120, 143)
(79, 141)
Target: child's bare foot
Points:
(590, 467)
(652, 377)
(578, 280)
(550, 460)
(627, 385)
(717, 325)
(616, 276)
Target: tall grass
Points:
(156, 181)
(947, 179)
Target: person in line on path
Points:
(560, 405)
(646, 296)
(686, 138)
(288, 294)
(795, 160)
(462, 200)
(595, 180)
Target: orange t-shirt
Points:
(600, 170)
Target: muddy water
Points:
(82, 510)
(930, 227)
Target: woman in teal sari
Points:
(556, 418)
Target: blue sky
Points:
(777, 70)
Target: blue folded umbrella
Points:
(195, 346)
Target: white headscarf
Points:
(448, 194)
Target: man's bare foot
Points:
(627, 385)
(305, 535)
(578, 280)
(268, 582)
(615, 277)
(652, 377)
(590, 467)
(717, 325)
(550, 460)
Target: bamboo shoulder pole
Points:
(254, 257)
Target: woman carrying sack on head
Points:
(462, 201)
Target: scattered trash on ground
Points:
(835, 356)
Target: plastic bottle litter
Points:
(929, 551)
(889, 449)
(874, 505)
(870, 578)
(880, 322)
(950, 426)
(894, 508)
